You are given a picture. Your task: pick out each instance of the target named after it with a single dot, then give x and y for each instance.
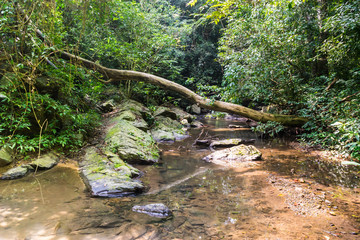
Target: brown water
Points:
(290, 195)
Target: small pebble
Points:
(332, 213)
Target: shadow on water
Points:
(208, 201)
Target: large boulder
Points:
(17, 172)
(135, 107)
(173, 112)
(233, 155)
(5, 156)
(167, 129)
(106, 175)
(131, 143)
(45, 161)
(165, 112)
(135, 119)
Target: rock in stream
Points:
(233, 155)
(158, 210)
(229, 142)
(106, 175)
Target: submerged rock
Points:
(131, 143)
(5, 157)
(109, 176)
(17, 172)
(229, 156)
(158, 210)
(46, 161)
(230, 142)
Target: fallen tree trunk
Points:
(119, 75)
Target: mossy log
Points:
(119, 75)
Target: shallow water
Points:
(288, 196)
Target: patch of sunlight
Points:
(4, 224)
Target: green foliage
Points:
(269, 129)
(334, 124)
(301, 56)
(44, 103)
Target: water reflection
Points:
(208, 201)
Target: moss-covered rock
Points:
(131, 143)
(106, 175)
(165, 112)
(135, 120)
(5, 157)
(108, 106)
(173, 112)
(233, 155)
(135, 107)
(167, 129)
(45, 161)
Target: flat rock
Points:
(106, 175)
(131, 143)
(17, 172)
(45, 161)
(230, 142)
(233, 155)
(5, 156)
(158, 210)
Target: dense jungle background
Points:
(283, 56)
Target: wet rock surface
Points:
(106, 175)
(44, 162)
(17, 172)
(158, 210)
(233, 155)
(219, 203)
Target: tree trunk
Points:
(118, 75)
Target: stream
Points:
(289, 195)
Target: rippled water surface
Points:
(208, 201)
